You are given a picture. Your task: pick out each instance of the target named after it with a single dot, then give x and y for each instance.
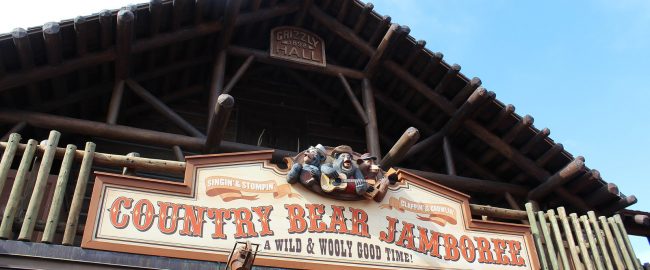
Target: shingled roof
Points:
(71, 68)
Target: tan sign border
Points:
(186, 188)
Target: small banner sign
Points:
(297, 45)
(233, 197)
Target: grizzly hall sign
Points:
(233, 197)
(297, 45)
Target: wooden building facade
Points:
(169, 79)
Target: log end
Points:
(403, 30)
(455, 68)
(612, 188)
(475, 81)
(155, 2)
(510, 108)
(545, 132)
(368, 6)
(580, 158)
(226, 101)
(420, 44)
(413, 132)
(437, 57)
(79, 20)
(642, 220)
(125, 15)
(595, 174)
(105, 13)
(51, 28)
(18, 33)
(528, 120)
(631, 200)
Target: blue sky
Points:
(578, 67)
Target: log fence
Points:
(581, 242)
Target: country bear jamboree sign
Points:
(233, 197)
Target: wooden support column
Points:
(59, 192)
(396, 154)
(124, 38)
(217, 126)
(449, 158)
(26, 57)
(35, 201)
(240, 72)
(372, 132)
(163, 109)
(79, 194)
(230, 18)
(468, 184)
(178, 152)
(217, 82)
(355, 102)
(558, 179)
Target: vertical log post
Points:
(178, 152)
(127, 170)
(449, 158)
(600, 238)
(584, 254)
(16, 195)
(592, 243)
(372, 131)
(217, 126)
(534, 229)
(124, 38)
(548, 242)
(618, 236)
(396, 154)
(8, 158)
(611, 241)
(558, 239)
(569, 238)
(79, 193)
(31, 216)
(626, 239)
(59, 192)
(217, 83)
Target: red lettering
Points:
(359, 222)
(406, 235)
(167, 224)
(429, 245)
(316, 212)
(143, 215)
(219, 215)
(120, 221)
(467, 249)
(297, 223)
(263, 212)
(244, 223)
(193, 220)
(337, 219)
(484, 252)
(499, 248)
(389, 236)
(451, 247)
(515, 248)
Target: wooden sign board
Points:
(233, 197)
(297, 45)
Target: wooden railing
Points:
(581, 242)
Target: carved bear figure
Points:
(308, 169)
(343, 164)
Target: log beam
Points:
(467, 184)
(341, 30)
(355, 102)
(602, 195)
(230, 18)
(372, 131)
(618, 205)
(385, 47)
(496, 212)
(26, 57)
(397, 153)
(394, 107)
(125, 133)
(539, 137)
(240, 72)
(217, 126)
(263, 56)
(449, 158)
(124, 40)
(217, 82)
(558, 179)
(163, 109)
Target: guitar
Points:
(328, 184)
